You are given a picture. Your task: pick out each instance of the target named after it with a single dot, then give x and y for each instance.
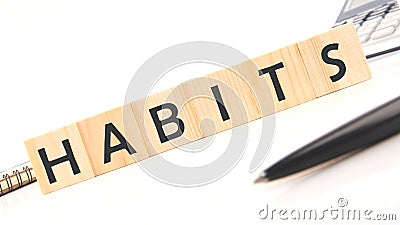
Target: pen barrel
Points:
(359, 133)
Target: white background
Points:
(63, 61)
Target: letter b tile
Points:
(164, 119)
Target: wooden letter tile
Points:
(108, 145)
(63, 153)
(224, 98)
(164, 120)
(342, 44)
(286, 78)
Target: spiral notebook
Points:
(16, 177)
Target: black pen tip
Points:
(262, 178)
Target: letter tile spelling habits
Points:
(295, 74)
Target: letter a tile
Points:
(112, 140)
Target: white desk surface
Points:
(57, 58)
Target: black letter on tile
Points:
(339, 63)
(275, 81)
(49, 164)
(110, 128)
(172, 119)
(220, 103)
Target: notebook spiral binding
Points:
(16, 177)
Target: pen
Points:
(366, 130)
